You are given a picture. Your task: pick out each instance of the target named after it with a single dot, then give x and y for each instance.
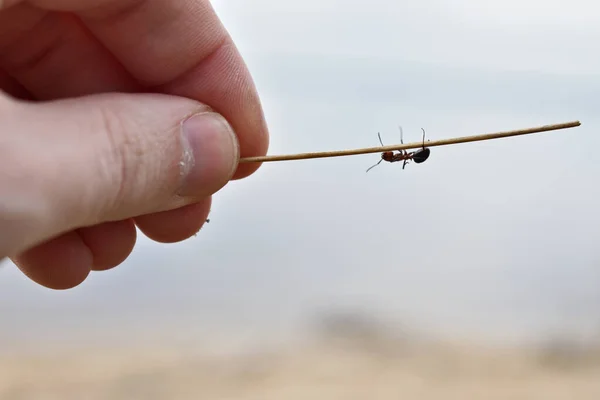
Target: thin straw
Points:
(442, 142)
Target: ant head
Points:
(421, 155)
(387, 155)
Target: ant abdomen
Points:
(421, 155)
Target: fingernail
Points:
(210, 154)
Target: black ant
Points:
(418, 156)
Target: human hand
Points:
(92, 139)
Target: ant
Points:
(417, 156)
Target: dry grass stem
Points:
(443, 142)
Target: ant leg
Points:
(375, 165)
(423, 137)
(379, 136)
(404, 164)
(401, 134)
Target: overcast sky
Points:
(493, 238)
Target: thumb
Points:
(78, 162)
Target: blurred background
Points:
(474, 275)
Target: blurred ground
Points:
(348, 359)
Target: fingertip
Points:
(245, 170)
(175, 225)
(60, 263)
(110, 243)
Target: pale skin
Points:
(115, 114)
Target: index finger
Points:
(179, 47)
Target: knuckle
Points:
(116, 165)
(138, 161)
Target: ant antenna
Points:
(375, 165)
(423, 137)
(401, 140)
(380, 141)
